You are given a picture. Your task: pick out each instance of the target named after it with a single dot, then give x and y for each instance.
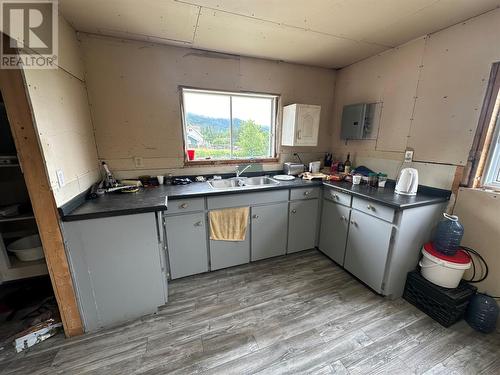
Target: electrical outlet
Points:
(408, 156)
(60, 177)
(139, 162)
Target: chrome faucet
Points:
(238, 172)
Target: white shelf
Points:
(22, 270)
(9, 157)
(12, 268)
(17, 218)
(16, 263)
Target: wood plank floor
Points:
(295, 314)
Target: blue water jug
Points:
(448, 235)
(482, 313)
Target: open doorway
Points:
(32, 163)
(27, 299)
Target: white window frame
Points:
(273, 127)
(491, 176)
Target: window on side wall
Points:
(484, 160)
(491, 176)
(228, 126)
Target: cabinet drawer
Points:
(176, 206)
(374, 209)
(247, 199)
(338, 197)
(304, 193)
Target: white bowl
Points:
(27, 249)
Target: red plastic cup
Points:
(190, 154)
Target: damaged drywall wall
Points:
(478, 213)
(432, 90)
(135, 100)
(62, 119)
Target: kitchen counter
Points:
(386, 196)
(153, 199)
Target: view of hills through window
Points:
(228, 126)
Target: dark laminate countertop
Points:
(386, 196)
(153, 199)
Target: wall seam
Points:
(282, 24)
(89, 104)
(415, 97)
(196, 26)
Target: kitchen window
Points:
(484, 159)
(491, 178)
(227, 126)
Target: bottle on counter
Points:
(382, 179)
(347, 164)
(169, 179)
(328, 160)
(373, 179)
(340, 167)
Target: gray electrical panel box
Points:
(359, 121)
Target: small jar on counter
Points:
(169, 179)
(382, 179)
(373, 179)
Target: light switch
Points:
(408, 156)
(60, 177)
(139, 162)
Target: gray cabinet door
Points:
(187, 244)
(334, 227)
(269, 230)
(367, 249)
(162, 244)
(302, 225)
(225, 254)
(116, 266)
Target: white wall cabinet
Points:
(300, 125)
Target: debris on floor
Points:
(30, 314)
(36, 334)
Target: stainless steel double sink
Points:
(242, 183)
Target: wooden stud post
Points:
(19, 112)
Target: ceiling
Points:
(326, 33)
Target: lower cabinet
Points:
(269, 230)
(116, 268)
(334, 228)
(367, 248)
(187, 244)
(225, 254)
(302, 225)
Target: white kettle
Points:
(407, 182)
